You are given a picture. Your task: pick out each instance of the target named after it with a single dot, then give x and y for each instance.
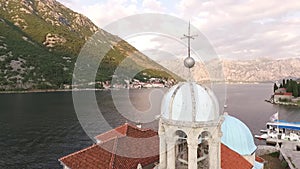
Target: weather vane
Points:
(189, 62)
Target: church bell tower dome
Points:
(190, 102)
(189, 125)
(190, 128)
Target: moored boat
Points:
(264, 131)
(281, 130)
(261, 137)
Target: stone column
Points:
(162, 152)
(171, 153)
(214, 154)
(192, 153)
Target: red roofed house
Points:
(280, 91)
(118, 148)
(283, 96)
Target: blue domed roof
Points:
(189, 102)
(237, 136)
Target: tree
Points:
(289, 86)
(283, 83)
(287, 83)
(99, 85)
(295, 90)
(275, 87)
(281, 86)
(298, 86)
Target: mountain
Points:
(259, 70)
(41, 39)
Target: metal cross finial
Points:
(189, 62)
(189, 37)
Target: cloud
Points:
(105, 13)
(254, 28)
(72, 4)
(152, 6)
(241, 29)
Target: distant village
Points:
(287, 92)
(126, 84)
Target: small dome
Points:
(237, 136)
(190, 102)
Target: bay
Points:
(36, 129)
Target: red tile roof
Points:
(288, 93)
(126, 130)
(124, 147)
(232, 160)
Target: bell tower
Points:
(190, 126)
(187, 142)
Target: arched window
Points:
(181, 150)
(203, 150)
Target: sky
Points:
(237, 29)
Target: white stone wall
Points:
(276, 97)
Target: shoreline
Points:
(283, 103)
(48, 91)
(70, 90)
(287, 104)
(65, 90)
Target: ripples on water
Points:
(38, 128)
